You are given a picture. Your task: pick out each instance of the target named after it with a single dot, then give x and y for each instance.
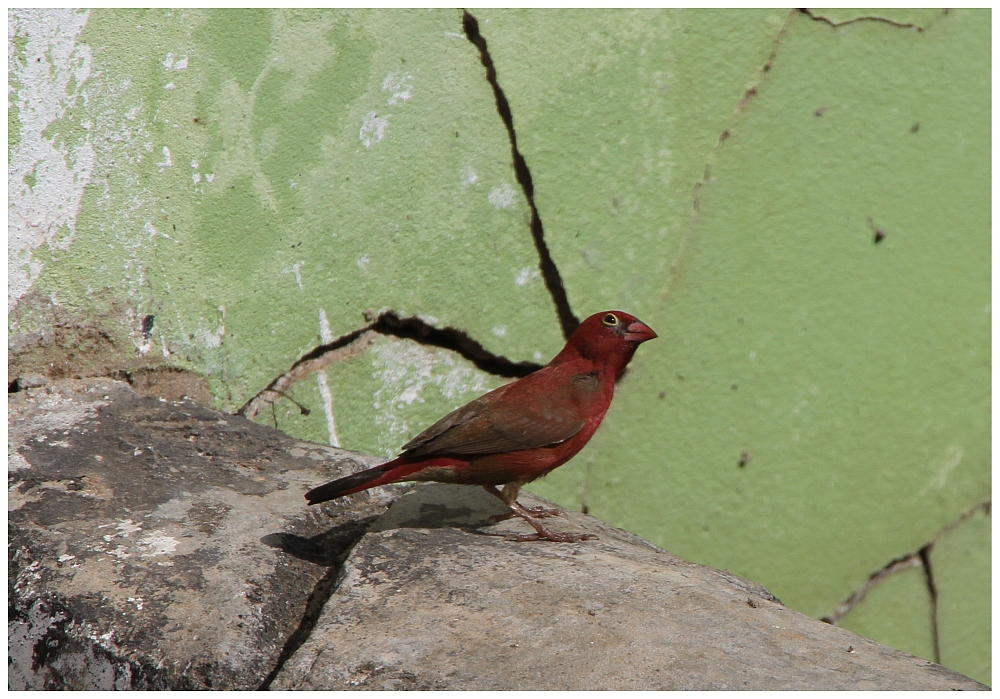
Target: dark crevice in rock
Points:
(553, 281)
(387, 323)
(331, 549)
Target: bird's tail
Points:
(391, 472)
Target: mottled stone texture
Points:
(425, 602)
(147, 540)
(157, 544)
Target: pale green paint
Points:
(280, 99)
(855, 374)
(921, 17)
(615, 121)
(962, 573)
(898, 613)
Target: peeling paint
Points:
(953, 457)
(502, 196)
(405, 371)
(468, 176)
(373, 128)
(327, 395)
(46, 175)
(401, 87)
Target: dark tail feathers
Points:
(356, 482)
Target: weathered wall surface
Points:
(797, 202)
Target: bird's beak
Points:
(639, 332)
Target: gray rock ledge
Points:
(156, 544)
(147, 540)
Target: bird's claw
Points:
(533, 511)
(545, 512)
(560, 537)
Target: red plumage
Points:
(520, 431)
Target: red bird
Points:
(520, 431)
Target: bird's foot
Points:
(533, 511)
(541, 532)
(549, 535)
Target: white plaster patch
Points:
(401, 87)
(127, 526)
(170, 63)
(156, 544)
(373, 128)
(327, 396)
(295, 269)
(468, 175)
(166, 162)
(212, 339)
(405, 370)
(46, 176)
(526, 275)
(952, 458)
(325, 334)
(502, 196)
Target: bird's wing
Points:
(498, 423)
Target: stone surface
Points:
(163, 545)
(429, 600)
(148, 540)
(223, 191)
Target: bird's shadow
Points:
(426, 506)
(327, 548)
(441, 505)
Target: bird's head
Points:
(610, 337)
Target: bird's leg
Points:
(509, 497)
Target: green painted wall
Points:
(257, 180)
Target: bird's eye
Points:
(610, 319)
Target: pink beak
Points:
(639, 332)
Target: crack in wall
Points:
(921, 558)
(748, 96)
(866, 18)
(745, 99)
(550, 273)
(389, 323)
(925, 560)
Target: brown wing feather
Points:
(493, 424)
